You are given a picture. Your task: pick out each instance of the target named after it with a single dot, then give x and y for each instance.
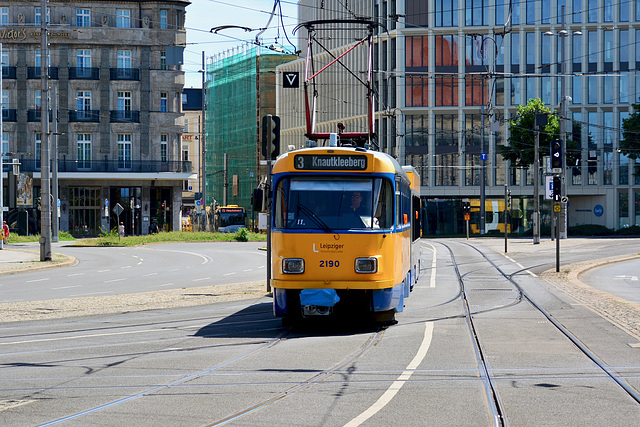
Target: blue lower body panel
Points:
(389, 299)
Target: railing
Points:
(92, 116)
(34, 73)
(124, 73)
(9, 115)
(80, 73)
(124, 116)
(34, 115)
(9, 72)
(30, 164)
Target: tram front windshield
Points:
(329, 204)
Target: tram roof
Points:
(337, 159)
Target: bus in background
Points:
(493, 216)
(229, 219)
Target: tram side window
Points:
(398, 202)
(406, 202)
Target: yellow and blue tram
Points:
(344, 221)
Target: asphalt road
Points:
(233, 363)
(620, 279)
(123, 270)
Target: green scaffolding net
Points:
(241, 88)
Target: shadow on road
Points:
(258, 321)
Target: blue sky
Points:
(202, 15)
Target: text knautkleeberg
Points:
(339, 162)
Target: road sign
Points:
(557, 208)
(467, 217)
(118, 209)
(106, 202)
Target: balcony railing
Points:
(80, 73)
(8, 72)
(9, 115)
(124, 73)
(34, 73)
(33, 115)
(30, 164)
(91, 116)
(124, 116)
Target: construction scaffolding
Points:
(241, 89)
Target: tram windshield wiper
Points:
(314, 218)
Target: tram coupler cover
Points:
(318, 302)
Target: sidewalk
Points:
(16, 258)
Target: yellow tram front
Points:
(341, 233)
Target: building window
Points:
(83, 58)
(124, 151)
(83, 102)
(84, 150)
(38, 58)
(446, 13)
(577, 11)
(163, 60)
(624, 11)
(163, 102)
(4, 16)
(38, 16)
(592, 10)
(38, 139)
(83, 18)
(5, 146)
(123, 18)
(164, 148)
(123, 59)
(476, 13)
(37, 99)
(163, 19)
(124, 101)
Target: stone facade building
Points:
(115, 106)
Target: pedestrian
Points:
(5, 232)
(121, 229)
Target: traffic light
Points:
(557, 188)
(556, 154)
(270, 136)
(466, 208)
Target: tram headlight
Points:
(366, 265)
(293, 265)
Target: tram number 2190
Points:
(329, 263)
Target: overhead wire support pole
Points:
(203, 145)
(45, 180)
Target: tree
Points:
(630, 143)
(520, 151)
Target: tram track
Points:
(495, 406)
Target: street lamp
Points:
(563, 107)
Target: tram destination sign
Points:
(330, 162)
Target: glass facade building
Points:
(453, 73)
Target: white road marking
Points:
(150, 274)
(115, 280)
(632, 278)
(229, 274)
(75, 274)
(66, 287)
(37, 280)
(397, 384)
(432, 281)
(202, 278)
